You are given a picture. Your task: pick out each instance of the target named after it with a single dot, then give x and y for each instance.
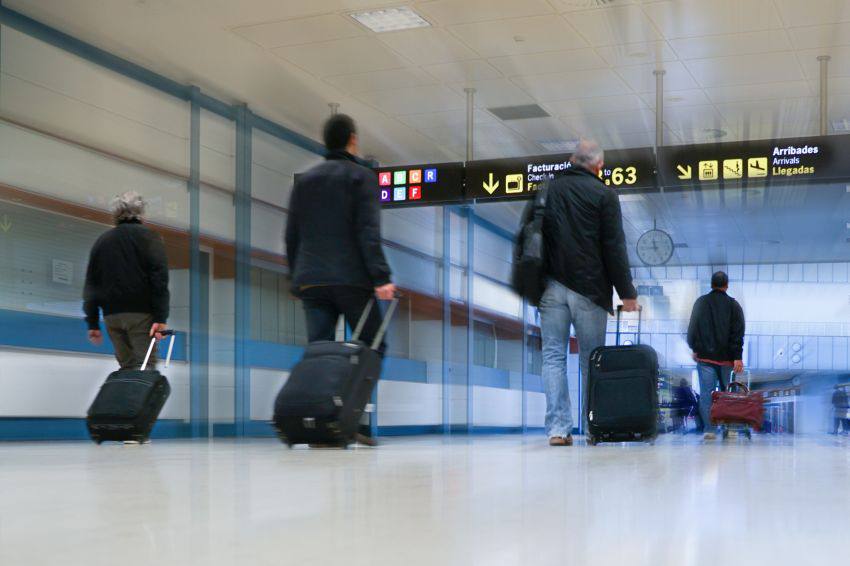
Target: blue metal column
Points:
(447, 319)
(198, 331)
(524, 312)
(470, 315)
(242, 322)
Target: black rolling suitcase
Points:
(328, 390)
(622, 400)
(129, 402)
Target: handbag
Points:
(741, 407)
(528, 276)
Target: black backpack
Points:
(528, 277)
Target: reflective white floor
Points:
(426, 501)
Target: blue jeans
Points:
(709, 376)
(559, 308)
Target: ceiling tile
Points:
(617, 25)
(813, 37)
(731, 44)
(839, 65)
(694, 119)
(495, 92)
(746, 69)
(839, 106)
(794, 111)
(448, 12)
(687, 18)
(625, 122)
(642, 79)
(415, 100)
(382, 80)
(452, 120)
(542, 129)
(837, 85)
(302, 30)
(549, 62)
(230, 13)
(811, 12)
(346, 56)
(764, 91)
(520, 35)
(595, 105)
(463, 71)
(693, 97)
(628, 54)
(578, 84)
(427, 46)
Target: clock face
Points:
(655, 247)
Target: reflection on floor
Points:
(427, 501)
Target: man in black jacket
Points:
(716, 337)
(586, 260)
(127, 278)
(333, 238)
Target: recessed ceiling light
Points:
(391, 19)
(588, 3)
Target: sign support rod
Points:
(470, 121)
(824, 94)
(659, 108)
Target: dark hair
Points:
(338, 131)
(719, 280)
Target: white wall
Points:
(50, 89)
(35, 383)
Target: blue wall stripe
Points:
(75, 429)
(21, 329)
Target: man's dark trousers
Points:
(324, 304)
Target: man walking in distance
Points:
(716, 337)
(127, 278)
(333, 239)
(585, 260)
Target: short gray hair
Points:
(588, 154)
(128, 207)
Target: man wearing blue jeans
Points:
(716, 337)
(586, 259)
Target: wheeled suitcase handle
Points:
(153, 345)
(384, 323)
(620, 315)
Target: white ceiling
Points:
(747, 67)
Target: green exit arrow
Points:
(489, 186)
(5, 224)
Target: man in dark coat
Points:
(586, 260)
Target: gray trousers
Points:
(130, 335)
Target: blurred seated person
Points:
(839, 406)
(684, 404)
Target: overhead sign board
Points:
(412, 185)
(755, 162)
(517, 178)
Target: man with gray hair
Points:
(127, 278)
(585, 260)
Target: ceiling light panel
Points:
(391, 19)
